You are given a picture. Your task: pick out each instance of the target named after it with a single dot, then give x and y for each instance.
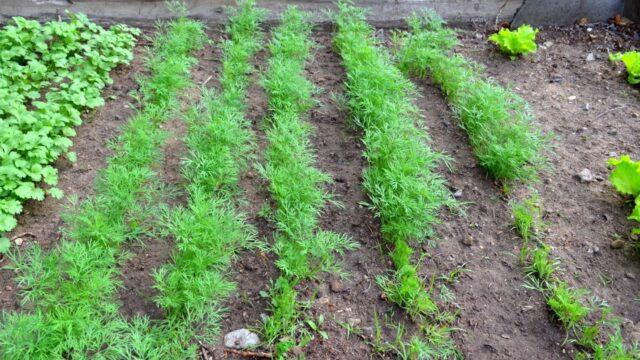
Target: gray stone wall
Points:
(382, 12)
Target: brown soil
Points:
(499, 318)
(594, 113)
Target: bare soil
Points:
(587, 105)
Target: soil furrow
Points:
(500, 319)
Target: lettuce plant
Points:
(519, 42)
(626, 179)
(631, 62)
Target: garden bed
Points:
(574, 92)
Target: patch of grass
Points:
(498, 122)
(72, 289)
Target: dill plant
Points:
(497, 121)
(72, 289)
(209, 231)
(295, 184)
(404, 189)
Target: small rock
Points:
(585, 175)
(572, 97)
(468, 240)
(337, 286)
(457, 194)
(8, 288)
(548, 44)
(241, 339)
(612, 132)
(323, 301)
(367, 331)
(617, 244)
(505, 336)
(586, 107)
(18, 241)
(478, 36)
(630, 276)
(527, 308)
(590, 57)
(613, 154)
(354, 322)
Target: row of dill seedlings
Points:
(404, 189)
(297, 187)
(210, 230)
(499, 125)
(70, 293)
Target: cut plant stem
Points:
(72, 289)
(404, 189)
(296, 186)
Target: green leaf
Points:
(55, 193)
(626, 175)
(7, 222)
(5, 244)
(519, 42)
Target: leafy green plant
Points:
(295, 184)
(631, 61)
(5, 245)
(626, 179)
(50, 74)
(565, 303)
(521, 41)
(404, 189)
(498, 122)
(527, 217)
(73, 288)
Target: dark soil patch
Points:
(41, 219)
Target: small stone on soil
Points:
(468, 240)
(353, 322)
(457, 194)
(18, 241)
(617, 244)
(337, 286)
(630, 276)
(585, 175)
(590, 57)
(241, 339)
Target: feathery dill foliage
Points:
(585, 321)
(72, 288)
(209, 231)
(497, 121)
(404, 189)
(297, 187)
